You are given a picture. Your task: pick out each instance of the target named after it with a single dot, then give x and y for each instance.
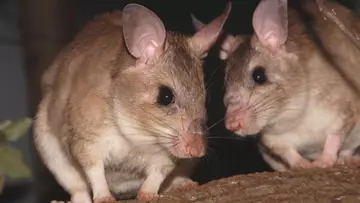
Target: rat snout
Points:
(197, 126)
(235, 96)
(230, 100)
(193, 145)
(193, 142)
(235, 119)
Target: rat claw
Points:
(108, 199)
(145, 196)
(189, 185)
(348, 161)
(324, 162)
(186, 185)
(303, 164)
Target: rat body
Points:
(300, 95)
(123, 109)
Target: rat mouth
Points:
(189, 146)
(240, 121)
(247, 132)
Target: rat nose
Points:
(235, 120)
(234, 124)
(195, 145)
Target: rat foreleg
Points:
(287, 154)
(93, 166)
(330, 152)
(150, 187)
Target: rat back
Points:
(126, 96)
(285, 85)
(336, 46)
(338, 49)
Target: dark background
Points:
(45, 26)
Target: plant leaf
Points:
(12, 164)
(4, 124)
(16, 129)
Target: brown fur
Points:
(93, 86)
(313, 84)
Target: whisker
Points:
(210, 155)
(208, 86)
(161, 144)
(251, 93)
(213, 125)
(160, 122)
(182, 123)
(213, 73)
(164, 134)
(148, 125)
(156, 118)
(231, 138)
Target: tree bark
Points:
(340, 185)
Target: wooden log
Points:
(340, 185)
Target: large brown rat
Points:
(123, 109)
(283, 84)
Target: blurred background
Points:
(32, 32)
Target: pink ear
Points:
(208, 34)
(270, 22)
(229, 45)
(143, 31)
(197, 23)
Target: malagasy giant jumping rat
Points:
(124, 107)
(284, 85)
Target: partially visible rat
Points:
(283, 84)
(123, 109)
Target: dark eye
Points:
(258, 75)
(165, 97)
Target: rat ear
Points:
(207, 35)
(143, 31)
(270, 22)
(230, 43)
(197, 23)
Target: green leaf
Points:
(12, 164)
(4, 124)
(15, 129)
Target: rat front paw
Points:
(80, 197)
(324, 162)
(146, 196)
(182, 183)
(190, 185)
(348, 161)
(187, 185)
(108, 199)
(301, 164)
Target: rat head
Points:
(264, 80)
(160, 95)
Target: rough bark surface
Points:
(336, 185)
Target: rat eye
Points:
(165, 96)
(258, 75)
